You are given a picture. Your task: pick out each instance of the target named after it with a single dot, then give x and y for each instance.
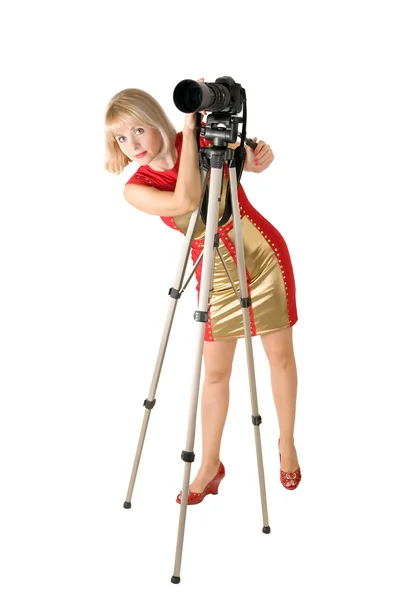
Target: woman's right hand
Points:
(190, 118)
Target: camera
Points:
(222, 96)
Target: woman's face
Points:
(139, 143)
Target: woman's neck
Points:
(167, 162)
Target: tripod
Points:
(216, 155)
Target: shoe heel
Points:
(213, 488)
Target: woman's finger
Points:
(265, 155)
(262, 146)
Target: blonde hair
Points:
(138, 107)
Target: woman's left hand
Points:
(260, 158)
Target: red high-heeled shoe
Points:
(290, 481)
(211, 488)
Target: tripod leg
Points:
(201, 315)
(246, 302)
(175, 294)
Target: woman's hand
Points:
(259, 159)
(190, 118)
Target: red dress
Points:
(269, 272)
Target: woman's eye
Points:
(121, 139)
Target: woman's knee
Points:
(278, 347)
(215, 375)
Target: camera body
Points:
(234, 91)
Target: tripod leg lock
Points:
(245, 302)
(201, 315)
(149, 404)
(256, 420)
(217, 161)
(187, 456)
(175, 294)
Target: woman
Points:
(168, 184)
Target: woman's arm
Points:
(155, 202)
(186, 196)
(188, 184)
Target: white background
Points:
(84, 294)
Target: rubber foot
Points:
(267, 529)
(175, 579)
(127, 504)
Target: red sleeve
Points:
(140, 179)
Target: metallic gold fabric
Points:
(269, 310)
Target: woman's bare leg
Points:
(218, 359)
(278, 347)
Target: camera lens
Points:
(190, 96)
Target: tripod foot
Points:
(175, 579)
(127, 504)
(267, 529)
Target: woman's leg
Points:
(278, 347)
(218, 358)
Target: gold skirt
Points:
(269, 272)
